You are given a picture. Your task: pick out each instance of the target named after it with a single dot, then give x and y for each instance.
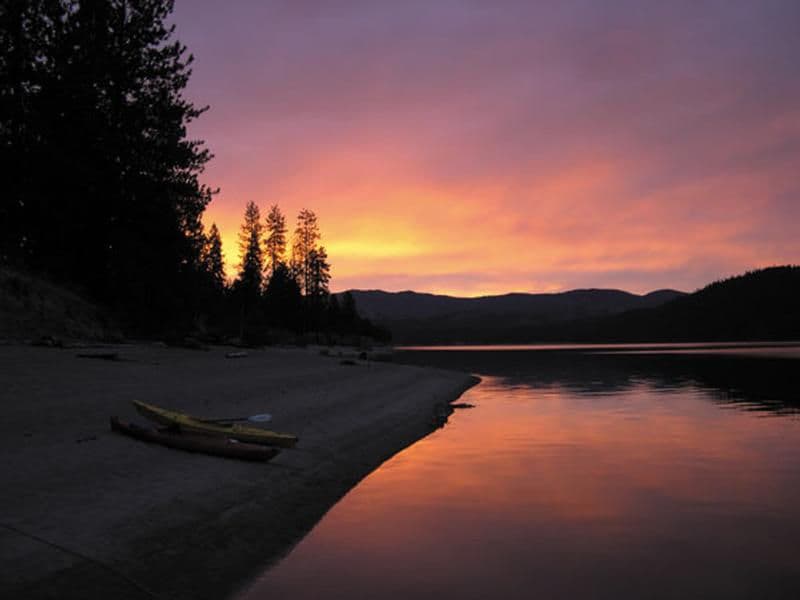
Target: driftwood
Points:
(99, 355)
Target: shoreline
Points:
(87, 513)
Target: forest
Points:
(103, 192)
(280, 287)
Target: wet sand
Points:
(87, 513)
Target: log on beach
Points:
(227, 448)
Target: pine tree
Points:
(213, 259)
(316, 298)
(276, 240)
(306, 237)
(28, 31)
(104, 191)
(251, 254)
(319, 274)
(283, 300)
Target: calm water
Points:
(577, 475)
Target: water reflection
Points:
(574, 477)
(748, 378)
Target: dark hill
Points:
(428, 318)
(33, 308)
(759, 305)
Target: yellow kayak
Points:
(243, 433)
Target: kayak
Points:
(194, 442)
(187, 423)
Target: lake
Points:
(613, 472)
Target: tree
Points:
(104, 189)
(319, 273)
(316, 298)
(283, 300)
(251, 254)
(276, 239)
(306, 236)
(28, 31)
(213, 259)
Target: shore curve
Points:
(87, 513)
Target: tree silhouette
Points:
(319, 273)
(249, 282)
(282, 299)
(276, 239)
(26, 33)
(251, 255)
(213, 259)
(103, 188)
(316, 296)
(306, 236)
(101, 183)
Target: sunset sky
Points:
(481, 147)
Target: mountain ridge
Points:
(411, 316)
(759, 304)
(376, 302)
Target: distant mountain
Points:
(428, 318)
(759, 305)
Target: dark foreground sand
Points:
(87, 513)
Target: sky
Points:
(482, 147)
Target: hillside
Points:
(428, 318)
(32, 308)
(759, 305)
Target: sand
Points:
(87, 513)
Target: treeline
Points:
(101, 183)
(279, 288)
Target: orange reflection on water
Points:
(567, 492)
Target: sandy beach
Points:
(87, 513)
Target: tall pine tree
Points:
(306, 238)
(213, 259)
(276, 240)
(251, 253)
(319, 274)
(29, 33)
(283, 301)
